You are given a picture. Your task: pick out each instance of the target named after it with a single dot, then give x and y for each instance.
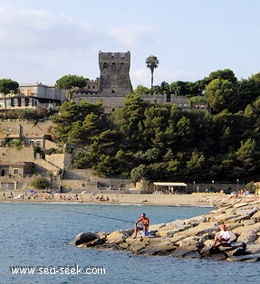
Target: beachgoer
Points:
(223, 238)
(145, 222)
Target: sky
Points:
(43, 40)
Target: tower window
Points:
(113, 66)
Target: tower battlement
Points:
(114, 73)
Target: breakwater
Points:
(194, 237)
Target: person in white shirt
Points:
(223, 238)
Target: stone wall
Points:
(44, 165)
(12, 155)
(50, 144)
(114, 101)
(109, 102)
(25, 128)
(56, 159)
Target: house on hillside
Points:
(19, 161)
(30, 134)
(33, 96)
(17, 169)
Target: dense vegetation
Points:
(41, 183)
(162, 142)
(35, 115)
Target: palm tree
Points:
(152, 63)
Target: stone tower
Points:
(114, 73)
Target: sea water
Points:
(37, 236)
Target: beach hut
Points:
(170, 187)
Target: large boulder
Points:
(248, 236)
(158, 246)
(191, 241)
(231, 217)
(195, 221)
(86, 238)
(256, 216)
(137, 246)
(172, 228)
(186, 251)
(253, 248)
(208, 228)
(247, 211)
(117, 237)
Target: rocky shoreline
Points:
(194, 237)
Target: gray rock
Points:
(248, 258)
(253, 248)
(195, 221)
(247, 211)
(205, 251)
(158, 246)
(248, 236)
(256, 216)
(137, 246)
(86, 238)
(191, 242)
(183, 251)
(117, 237)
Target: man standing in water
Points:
(145, 222)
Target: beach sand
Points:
(159, 199)
(195, 199)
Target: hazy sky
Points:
(43, 40)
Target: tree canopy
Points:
(161, 141)
(7, 86)
(71, 83)
(164, 142)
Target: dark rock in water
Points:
(184, 251)
(206, 251)
(153, 246)
(238, 251)
(86, 238)
(249, 258)
(235, 248)
(137, 247)
(218, 256)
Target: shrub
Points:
(50, 151)
(40, 183)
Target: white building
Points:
(34, 96)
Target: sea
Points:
(35, 247)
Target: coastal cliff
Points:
(194, 237)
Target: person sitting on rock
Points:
(223, 237)
(145, 222)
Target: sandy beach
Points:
(196, 199)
